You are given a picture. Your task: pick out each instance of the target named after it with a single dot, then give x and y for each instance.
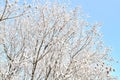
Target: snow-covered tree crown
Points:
(47, 41)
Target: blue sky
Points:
(107, 12)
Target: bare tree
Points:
(51, 42)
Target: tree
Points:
(47, 41)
